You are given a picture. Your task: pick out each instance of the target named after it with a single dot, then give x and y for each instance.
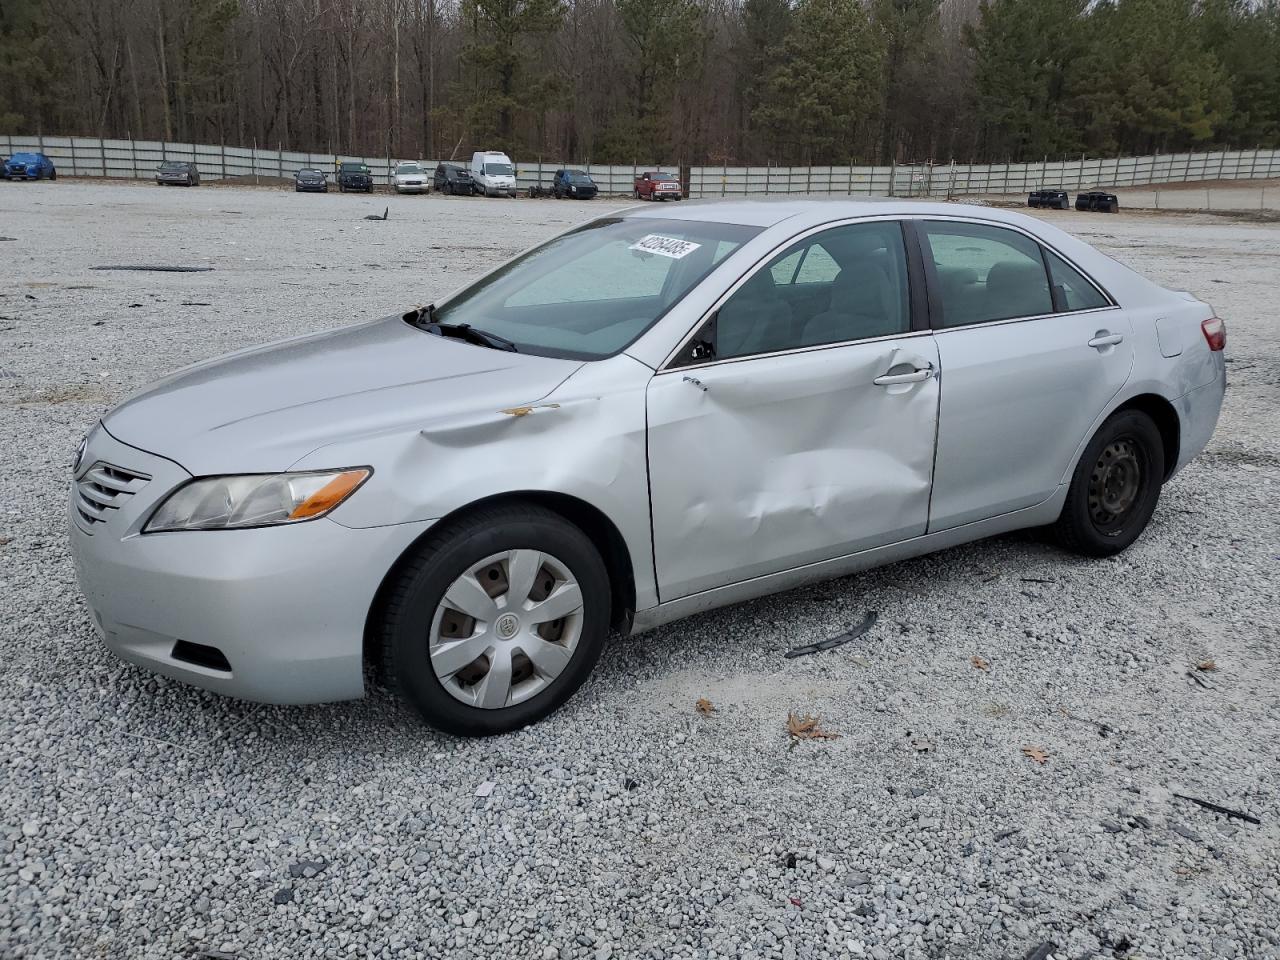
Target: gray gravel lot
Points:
(140, 818)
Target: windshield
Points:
(24, 158)
(408, 168)
(498, 169)
(664, 176)
(173, 165)
(310, 173)
(590, 293)
(354, 168)
(576, 176)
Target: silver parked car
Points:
(655, 414)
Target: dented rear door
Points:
(767, 463)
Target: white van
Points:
(493, 174)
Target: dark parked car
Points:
(573, 183)
(310, 180)
(179, 173)
(1098, 201)
(1055, 199)
(354, 176)
(453, 178)
(29, 166)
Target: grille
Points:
(105, 488)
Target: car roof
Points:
(806, 213)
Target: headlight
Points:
(255, 500)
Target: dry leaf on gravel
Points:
(806, 728)
(1207, 666)
(704, 706)
(979, 663)
(1038, 754)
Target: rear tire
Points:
(1115, 487)
(473, 560)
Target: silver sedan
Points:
(658, 413)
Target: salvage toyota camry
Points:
(657, 413)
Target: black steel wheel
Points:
(1115, 487)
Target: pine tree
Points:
(499, 53)
(27, 74)
(825, 88)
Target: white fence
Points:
(137, 159)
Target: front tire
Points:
(1115, 487)
(496, 621)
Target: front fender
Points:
(587, 440)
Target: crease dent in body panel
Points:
(480, 428)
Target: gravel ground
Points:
(145, 819)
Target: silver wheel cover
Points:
(506, 628)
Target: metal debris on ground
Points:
(1043, 952)
(153, 267)
(374, 216)
(831, 643)
(1200, 679)
(1225, 811)
(485, 788)
(807, 728)
(1104, 729)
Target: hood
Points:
(263, 409)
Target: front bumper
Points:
(313, 187)
(412, 187)
(286, 606)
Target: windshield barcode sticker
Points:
(665, 246)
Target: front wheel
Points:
(1115, 487)
(497, 620)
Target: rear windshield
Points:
(589, 293)
(498, 169)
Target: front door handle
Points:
(915, 376)
(1106, 340)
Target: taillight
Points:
(1215, 333)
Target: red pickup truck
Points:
(654, 185)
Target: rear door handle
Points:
(915, 376)
(1106, 340)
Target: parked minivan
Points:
(493, 174)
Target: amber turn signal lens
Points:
(330, 495)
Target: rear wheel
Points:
(1115, 487)
(497, 621)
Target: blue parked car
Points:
(29, 166)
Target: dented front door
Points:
(768, 463)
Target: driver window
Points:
(843, 284)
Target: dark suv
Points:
(1055, 199)
(452, 178)
(354, 176)
(573, 183)
(1098, 201)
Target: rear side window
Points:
(986, 273)
(1070, 288)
